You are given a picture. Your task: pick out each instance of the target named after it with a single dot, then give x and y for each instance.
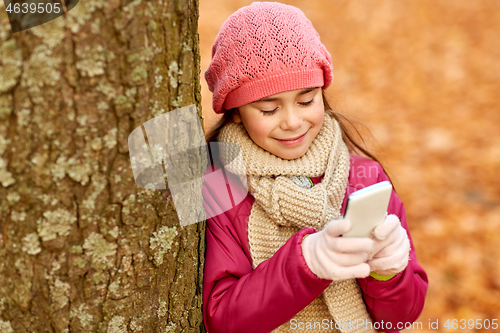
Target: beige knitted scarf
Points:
(282, 208)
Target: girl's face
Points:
(284, 124)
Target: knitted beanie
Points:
(264, 49)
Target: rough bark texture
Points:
(82, 248)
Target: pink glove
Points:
(337, 258)
(391, 249)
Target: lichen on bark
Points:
(83, 248)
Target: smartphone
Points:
(367, 208)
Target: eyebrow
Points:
(270, 99)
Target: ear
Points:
(236, 117)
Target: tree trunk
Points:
(82, 247)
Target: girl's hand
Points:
(391, 249)
(336, 258)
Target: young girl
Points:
(276, 261)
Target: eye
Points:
(306, 103)
(268, 113)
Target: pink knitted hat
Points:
(264, 49)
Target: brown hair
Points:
(346, 125)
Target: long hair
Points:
(346, 126)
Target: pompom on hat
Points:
(264, 49)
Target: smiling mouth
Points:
(292, 139)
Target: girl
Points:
(276, 261)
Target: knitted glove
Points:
(336, 258)
(391, 248)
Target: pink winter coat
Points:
(237, 298)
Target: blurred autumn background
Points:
(424, 77)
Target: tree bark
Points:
(76, 232)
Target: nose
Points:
(291, 119)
